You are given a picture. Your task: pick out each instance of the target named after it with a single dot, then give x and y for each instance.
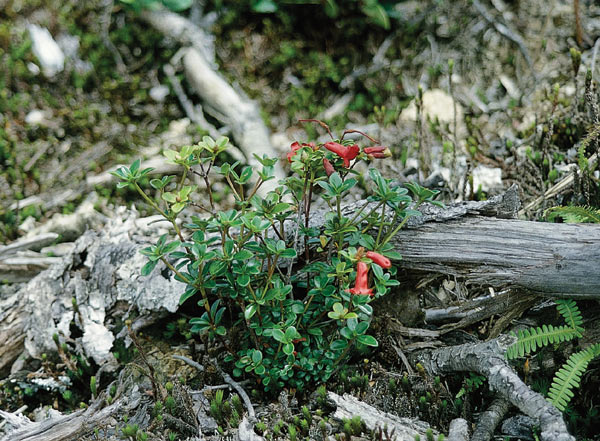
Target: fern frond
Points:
(570, 311)
(574, 214)
(569, 375)
(529, 340)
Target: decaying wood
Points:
(403, 429)
(555, 260)
(101, 272)
(59, 427)
(489, 420)
(459, 430)
(12, 334)
(487, 359)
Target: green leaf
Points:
(148, 267)
(289, 253)
(338, 345)
(250, 311)
(367, 340)
(288, 348)
(178, 207)
(331, 8)
(243, 255)
(243, 280)
(135, 166)
(291, 333)
(278, 334)
(189, 292)
(171, 247)
(221, 330)
(257, 356)
(347, 333)
(169, 197)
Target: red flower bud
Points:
(347, 153)
(295, 147)
(377, 152)
(361, 286)
(380, 260)
(328, 167)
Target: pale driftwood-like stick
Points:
(65, 427)
(239, 112)
(404, 429)
(489, 419)
(487, 359)
(240, 390)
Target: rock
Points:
(486, 178)
(159, 93)
(437, 104)
(71, 226)
(46, 50)
(36, 118)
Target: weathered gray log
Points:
(555, 260)
(488, 359)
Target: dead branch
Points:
(487, 359)
(489, 419)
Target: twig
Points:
(241, 392)
(195, 114)
(105, 22)
(594, 55)
(505, 32)
(189, 361)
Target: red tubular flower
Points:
(377, 152)
(347, 153)
(361, 286)
(328, 167)
(295, 147)
(380, 260)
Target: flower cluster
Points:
(346, 152)
(361, 286)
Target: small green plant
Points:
(568, 377)
(288, 284)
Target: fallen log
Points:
(553, 260)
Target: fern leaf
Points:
(529, 340)
(569, 375)
(574, 214)
(570, 312)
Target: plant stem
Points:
(175, 270)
